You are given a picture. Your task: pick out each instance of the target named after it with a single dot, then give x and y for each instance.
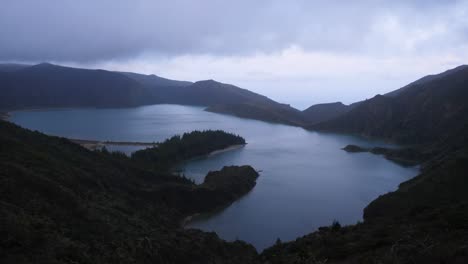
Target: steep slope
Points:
(324, 112)
(60, 203)
(418, 114)
(210, 92)
(47, 85)
(220, 98)
(230, 99)
(426, 79)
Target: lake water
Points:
(306, 180)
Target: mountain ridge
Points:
(42, 85)
(419, 113)
(131, 89)
(49, 85)
(426, 79)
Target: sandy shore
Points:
(227, 149)
(95, 144)
(91, 144)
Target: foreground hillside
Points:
(60, 203)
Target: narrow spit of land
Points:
(96, 144)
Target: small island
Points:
(355, 149)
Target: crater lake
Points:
(306, 179)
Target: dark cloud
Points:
(89, 30)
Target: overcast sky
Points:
(298, 52)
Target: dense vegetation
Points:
(61, 203)
(232, 179)
(187, 146)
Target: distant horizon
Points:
(296, 100)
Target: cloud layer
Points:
(69, 30)
(302, 44)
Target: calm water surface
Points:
(307, 181)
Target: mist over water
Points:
(306, 180)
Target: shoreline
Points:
(189, 218)
(95, 144)
(176, 169)
(233, 147)
(87, 143)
